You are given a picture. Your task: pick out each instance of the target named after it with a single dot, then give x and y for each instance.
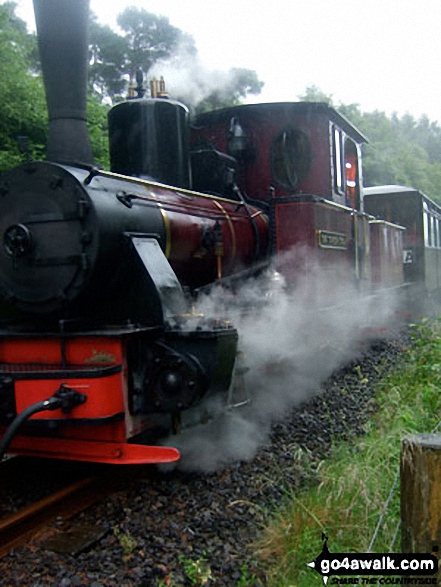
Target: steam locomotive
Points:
(101, 352)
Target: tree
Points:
(22, 101)
(115, 58)
(149, 42)
(23, 111)
(107, 61)
(98, 130)
(148, 38)
(238, 84)
(315, 94)
(401, 150)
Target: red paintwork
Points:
(47, 351)
(262, 123)
(97, 452)
(298, 225)
(106, 397)
(189, 215)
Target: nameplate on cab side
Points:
(332, 240)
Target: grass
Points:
(354, 488)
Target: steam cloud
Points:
(189, 81)
(292, 342)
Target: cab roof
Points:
(296, 108)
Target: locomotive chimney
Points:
(63, 43)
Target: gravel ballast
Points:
(161, 528)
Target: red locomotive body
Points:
(192, 219)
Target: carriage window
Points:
(291, 157)
(426, 225)
(434, 232)
(429, 231)
(436, 241)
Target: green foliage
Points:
(401, 151)
(98, 130)
(198, 572)
(22, 101)
(23, 111)
(126, 541)
(247, 579)
(148, 38)
(350, 496)
(315, 94)
(113, 58)
(107, 61)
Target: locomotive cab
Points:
(285, 149)
(302, 162)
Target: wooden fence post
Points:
(420, 471)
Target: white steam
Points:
(291, 341)
(189, 81)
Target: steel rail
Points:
(17, 528)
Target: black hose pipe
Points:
(64, 398)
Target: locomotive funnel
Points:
(63, 43)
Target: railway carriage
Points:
(421, 217)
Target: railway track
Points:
(18, 527)
(166, 522)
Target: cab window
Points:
(345, 168)
(290, 157)
(351, 174)
(337, 137)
